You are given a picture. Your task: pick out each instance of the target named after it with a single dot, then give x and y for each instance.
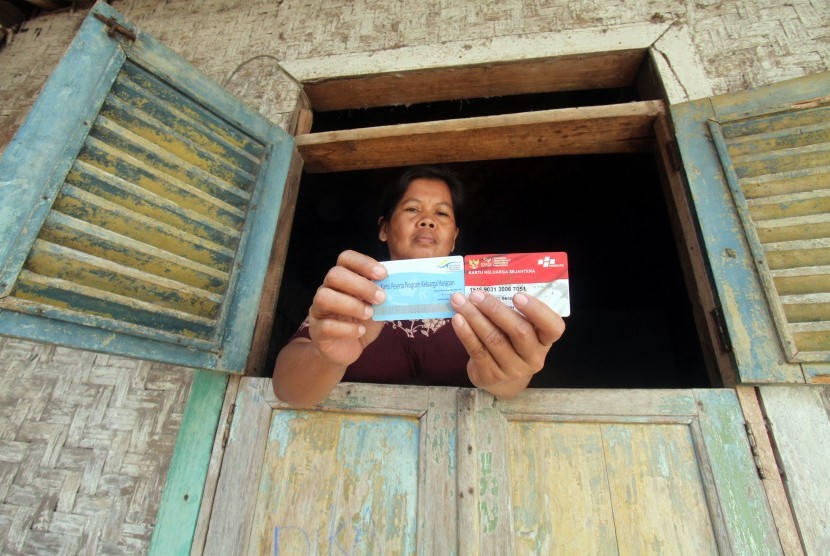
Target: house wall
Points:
(85, 439)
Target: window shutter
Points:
(142, 199)
(758, 164)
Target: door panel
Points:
(401, 470)
(372, 471)
(378, 515)
(614, 472)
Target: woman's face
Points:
(423, 222)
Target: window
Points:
(759, 188)
(584, 180)
(141, 200)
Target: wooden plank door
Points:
(427, 470)
(371, 472)
(609, 472)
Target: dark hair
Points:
(395, 192)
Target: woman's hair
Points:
(395, 192)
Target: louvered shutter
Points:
(142, 199)
(758, 164)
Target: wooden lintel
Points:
(568, 73)
(619, 128)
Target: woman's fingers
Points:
(361, 264)
(347, 291)
(491, 352)
(330, 303)
(549, 325)
(502, 342)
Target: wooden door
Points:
(429, 470)
(372, 472)
(609, 472)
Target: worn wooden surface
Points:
(215, 465)
(752, 333)
(769, 471)
(183, 491)
(154, 213)
(552, 471)
(266, 314)
(567, 73)
(799, 420)
(776, 167)
(365, 473)
(596, 129)
(675, 465)
(719, 365)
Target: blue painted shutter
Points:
(139, 204)
(758, 165)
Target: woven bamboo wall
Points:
(85, 443)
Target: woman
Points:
(487, 345)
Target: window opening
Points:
(468, 108)
(631, 323)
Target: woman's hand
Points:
(506, 347)
(340, 327)
(340, 315)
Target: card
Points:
(420, 288)
(542, 275)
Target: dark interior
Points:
(631, 323)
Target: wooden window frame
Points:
(635, 127)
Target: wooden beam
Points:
(719, 364)
(300, 123)
(619, 128)
(568, 73)
(765, 459)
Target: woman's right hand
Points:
(340, 317)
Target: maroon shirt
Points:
(410, 352)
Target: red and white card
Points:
(542, 275)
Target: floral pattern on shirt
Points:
(425, 327)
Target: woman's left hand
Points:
(506, 347)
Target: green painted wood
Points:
(628, 472)
(119, 191)
(34, 163)
(167, 161)
(752, 330)
(82, 205)
(187, 113)
(62, 296)
(49, 259)
(95, 240)
(193, 200)
(788, 233)
(767, 244)
(75, 335)
(743, 505)
(204, 130)
(161, 133)
(257, 239)
(182, 497)
(104, 157)
(372, 473)
(774, 97)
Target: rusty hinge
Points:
(113, 27)
(226, 431)
(723, 333)
(753, 447)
